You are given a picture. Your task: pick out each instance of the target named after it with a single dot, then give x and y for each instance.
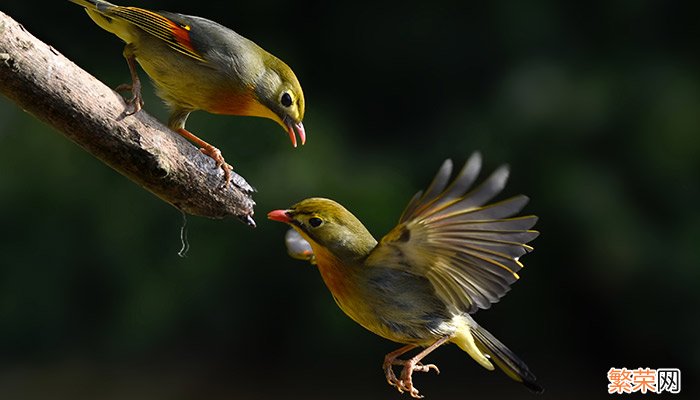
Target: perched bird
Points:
(197, 64)
(450, 255)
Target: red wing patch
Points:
(176, 35)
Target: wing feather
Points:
(175, 34)
(423, 199)
(469, 250)
(422, 203)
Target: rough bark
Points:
(52, 88)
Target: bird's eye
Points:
(315, 222)
(286, 99)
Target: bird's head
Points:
(327, 225)
(279, 93)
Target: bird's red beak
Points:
(299, 129)
(280, 216)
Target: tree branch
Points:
(45, 83)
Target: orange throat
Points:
(244, 104)
(233, 104)
(333, 272)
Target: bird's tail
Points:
(107, 16)
(98, 5)
(504, 358)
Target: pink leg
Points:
(211, 151)
(390, 360)
(405, 383)
(135, 86)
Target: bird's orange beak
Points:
(280, 216)
(299, 129)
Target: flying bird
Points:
(451, 254)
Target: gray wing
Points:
(298, 247)
(467, 248)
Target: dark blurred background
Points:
(595, 105)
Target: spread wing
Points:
(175, 33)
(468, 249)
(298, 247)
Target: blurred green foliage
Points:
(595, 105)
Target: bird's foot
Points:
(389, 373)
(405, 382)
(136, 100)
(215, 154)
(210, 151)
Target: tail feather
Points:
(93, 4)
(504, 358)
(102, 12)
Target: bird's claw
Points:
(215, 154)
(425, 368)
(227, 174)
(390, 376)
(408, 387)
(136, 100)
(405, 383)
